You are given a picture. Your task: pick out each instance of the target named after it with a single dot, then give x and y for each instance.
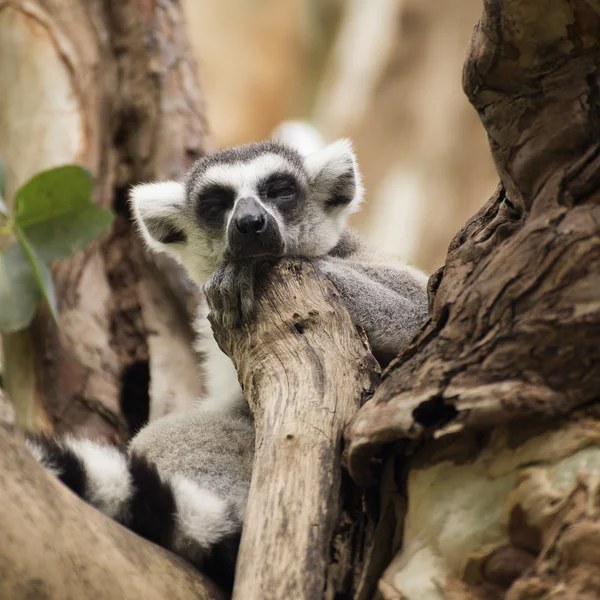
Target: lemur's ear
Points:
(335, 176)
(156, 209)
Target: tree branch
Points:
(54, 546)
(304, 371)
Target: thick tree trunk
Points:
(497, 395)
(305, 370)
(109, 85)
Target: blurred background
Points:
(386, 73)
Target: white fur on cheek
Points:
(108, 480)
(165, 203)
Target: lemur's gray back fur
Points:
(185, 480)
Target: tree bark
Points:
(495, 399)
(93, 557)
(109, 85)
(305, 371)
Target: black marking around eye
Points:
(212, 204)
(343, 190)
(279, 183)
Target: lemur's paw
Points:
(230, 294)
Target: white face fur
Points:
(258, 200)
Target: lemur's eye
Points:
(283, 188)
(212, 204)
(284, 192)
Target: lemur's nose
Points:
(250, 218)
(252, 231)
(250, 224)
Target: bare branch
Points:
(305, 372)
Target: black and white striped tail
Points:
(174, 512)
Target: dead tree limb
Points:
(56, 547)
(305, 371)
(512, 347)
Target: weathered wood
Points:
(56, 547)
(515, 312)
(496, 398)
(115, 89)
(305, 371)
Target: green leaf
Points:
(60, 237)
(20, 294)
(52, 194)
(40, 272)
(56, 212)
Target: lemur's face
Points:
(259, 200)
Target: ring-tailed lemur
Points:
(184, 481)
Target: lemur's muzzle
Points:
(252, 232)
